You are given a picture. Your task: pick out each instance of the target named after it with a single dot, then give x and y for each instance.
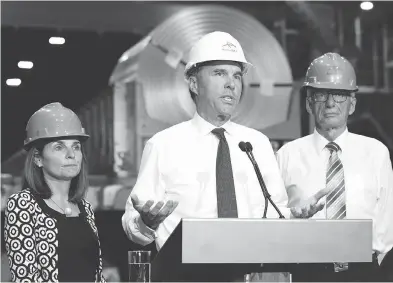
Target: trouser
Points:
(357, 272)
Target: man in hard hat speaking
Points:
(196, 169)
(355, 170)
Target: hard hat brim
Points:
(190, 66)
(29, 143)
(324, 85)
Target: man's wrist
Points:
(146, 230)
(151, 226)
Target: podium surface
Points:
(275, 240)
(224, 241)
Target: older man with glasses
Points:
(354, 170)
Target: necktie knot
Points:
(219, 133)
(333, 147)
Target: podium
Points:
(198, 246)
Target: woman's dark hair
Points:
(33, 177)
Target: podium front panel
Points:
(275, 240)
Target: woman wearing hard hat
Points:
(50, 232)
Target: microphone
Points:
(243, 146)
(247, 148)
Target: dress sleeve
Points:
(19, 237)
(90, 211)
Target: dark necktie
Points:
(335, 199)
(226, 196)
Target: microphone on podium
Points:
(247, 148)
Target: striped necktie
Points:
(226, 196)
(335, 199)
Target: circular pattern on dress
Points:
(32, 208)
(33, 269)
(43, 247)
(21, 271)
(15, 245)
(44, 261)
(45, 274)
(49, 223)
(40, 219)
(27, 230)
(11, 218)
(53, 263)
(42, 232)
(18, 258)
(13, 232)
(52, 250)
(25, 195)
(22, 203)
(11, 204)
(51, 236)
(24, 216)
(28, 243)
(30, 257)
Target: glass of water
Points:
(139, 266)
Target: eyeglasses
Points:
(338, 96)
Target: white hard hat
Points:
(216, 46)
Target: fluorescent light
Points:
(25, 64)
(56, 40)
(13, 82)
(366, 5)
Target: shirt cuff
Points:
(144, 229)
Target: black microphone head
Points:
(248, 146)
(243, 146)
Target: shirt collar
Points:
(204, 127)
(320, 142)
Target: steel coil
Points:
(161, 66)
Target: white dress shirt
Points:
(368, 177)
(179, 164)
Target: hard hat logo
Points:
(331, 56)
(229, 47)
(312, 79)
(334, 70)
(335, 74)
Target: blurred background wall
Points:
(120, 68)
